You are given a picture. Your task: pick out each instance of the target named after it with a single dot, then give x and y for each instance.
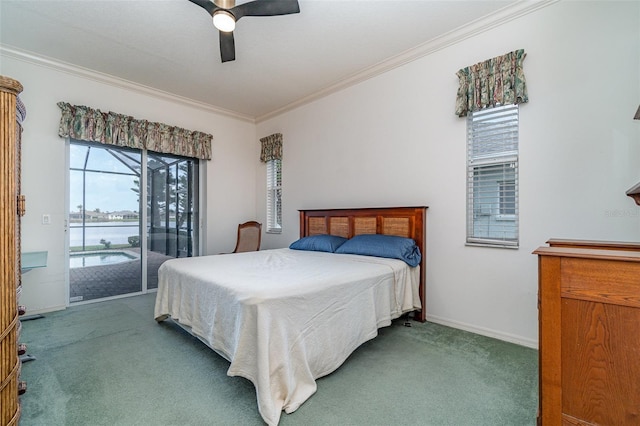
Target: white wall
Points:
(230, 181)
(394, 140)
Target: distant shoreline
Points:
(102, 220)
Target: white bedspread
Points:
(284, 318)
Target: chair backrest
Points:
(249, 235)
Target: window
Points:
(507, 198)
(274, 196)
(492, 177)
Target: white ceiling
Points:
(172, 46)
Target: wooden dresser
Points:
(589, 319)
(10, 208)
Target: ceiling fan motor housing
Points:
(225, 4)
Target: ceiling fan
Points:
(225, 14)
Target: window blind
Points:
(274, 196)
(492, 176)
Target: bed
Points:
(284, 317)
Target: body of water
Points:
(116, 232)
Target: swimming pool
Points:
(82, 260)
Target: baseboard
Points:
(511, 338)
(45, 310)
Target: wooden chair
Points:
(249, 235)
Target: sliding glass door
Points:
(106, 218)
(104, 222)
(172, 215)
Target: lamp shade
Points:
(637, 116)
(224, 21)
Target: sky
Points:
(107, 192)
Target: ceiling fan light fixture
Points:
(224, 21)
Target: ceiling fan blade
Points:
(227, 46)
(207, 5)
(265, 8)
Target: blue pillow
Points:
(383, 246)
(328, 243)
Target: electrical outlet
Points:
(46, 219)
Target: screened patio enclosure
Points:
(170, 216)
(107, 218)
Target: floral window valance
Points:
(497, 81)
(271, 147)
(88, 124)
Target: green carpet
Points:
(110, 363)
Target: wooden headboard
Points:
(409, 222)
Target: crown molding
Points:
(75, 70)
(502, 16)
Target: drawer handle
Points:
(21, 205)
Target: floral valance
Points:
(88, 124)
(271, 147)
(497, 81)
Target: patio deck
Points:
(97, 282)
